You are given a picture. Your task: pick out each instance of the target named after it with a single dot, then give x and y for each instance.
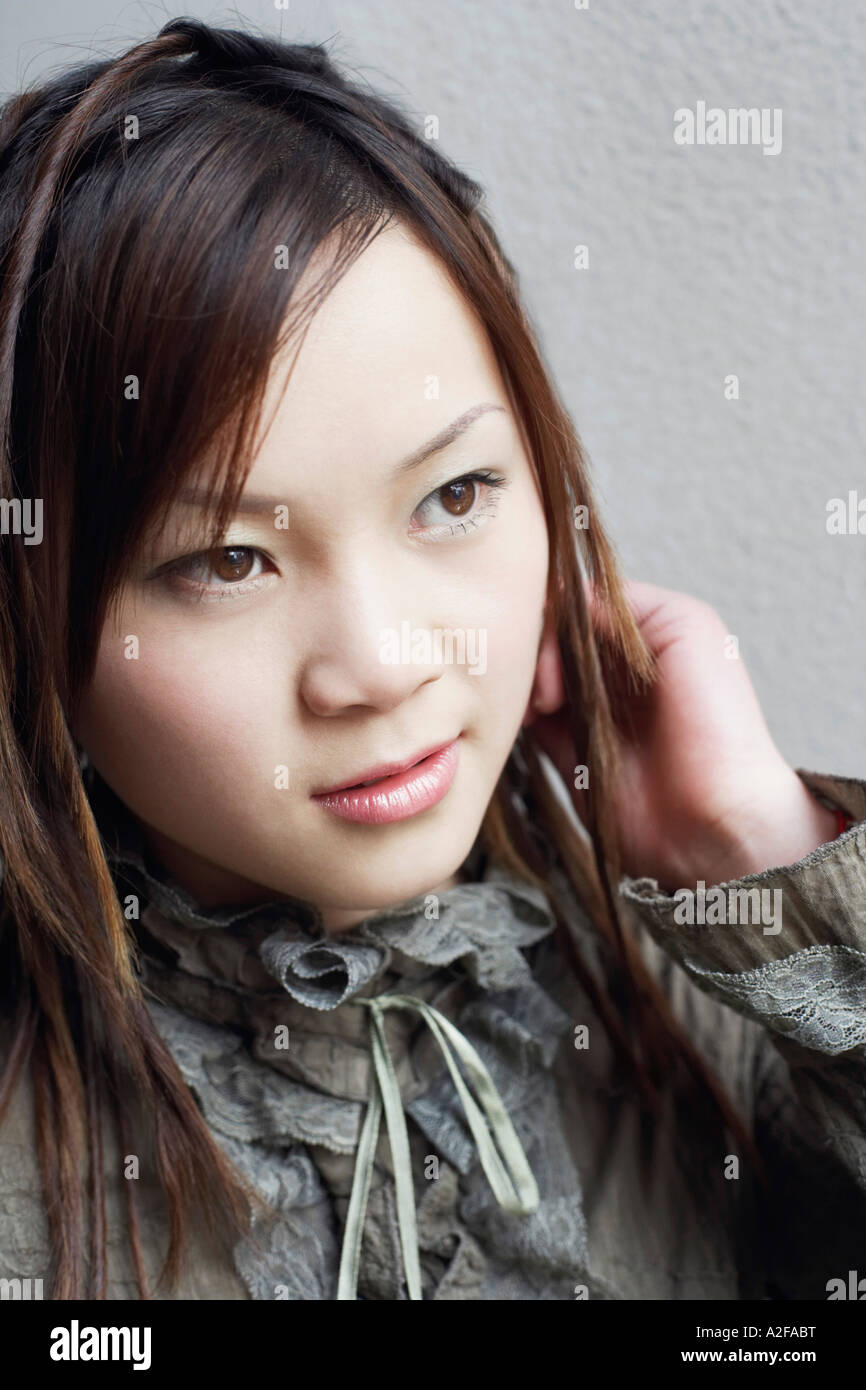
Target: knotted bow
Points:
(519, 1196)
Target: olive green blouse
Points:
(431, 1108)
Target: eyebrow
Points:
(257, 503)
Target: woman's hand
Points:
(703, 791)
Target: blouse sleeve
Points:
(786, 948)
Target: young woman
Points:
(353, 808)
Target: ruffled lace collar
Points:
(301, 1120)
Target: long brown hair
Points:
(142, 199)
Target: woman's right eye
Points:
(231, 564)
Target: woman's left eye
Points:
(461, 504)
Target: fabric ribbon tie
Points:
(519, 1195)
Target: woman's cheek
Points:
(173, 709)
(517, 580)
(510, 624)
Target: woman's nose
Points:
(370, 646)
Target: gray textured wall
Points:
(704, 261)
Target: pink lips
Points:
(398, 795)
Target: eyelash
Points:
(172, 573)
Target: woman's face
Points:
(365, 610)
